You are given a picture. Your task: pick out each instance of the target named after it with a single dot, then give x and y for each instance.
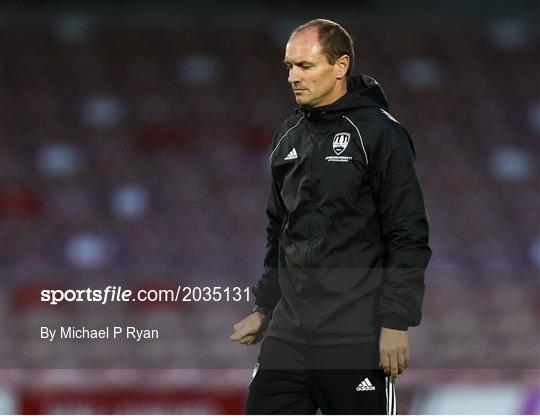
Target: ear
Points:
(342, 65)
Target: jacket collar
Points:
(362, 91)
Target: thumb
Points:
(240, 332)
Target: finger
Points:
(247, 340)
(401, 361)
(385, 362)
(407, 357)
(257, 338)
(238, 335)
(239, 325)
(393, 365)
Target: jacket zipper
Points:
(310, 228)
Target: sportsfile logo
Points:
(365, 385)
(112, 294)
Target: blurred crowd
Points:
(140, 153)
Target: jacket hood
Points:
(362, 91)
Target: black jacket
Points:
(347, 237)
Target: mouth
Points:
(297, 91)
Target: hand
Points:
(394, 351)
(250, 329)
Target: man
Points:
(347, 242)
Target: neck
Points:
(337, 93)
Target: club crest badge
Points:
(341, 140)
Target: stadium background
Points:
(133, 149)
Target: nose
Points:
(293, 75)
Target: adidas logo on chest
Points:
(292, 155)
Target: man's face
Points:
(311, 76)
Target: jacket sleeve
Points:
(267, 291)
(404, 227)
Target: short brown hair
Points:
(335, 41)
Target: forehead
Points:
(303, 46)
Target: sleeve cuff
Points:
(262, 310)
(391, 323)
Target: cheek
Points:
(316, 83)
(323, 85)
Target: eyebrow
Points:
(287, 62)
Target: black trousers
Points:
(293, 378)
